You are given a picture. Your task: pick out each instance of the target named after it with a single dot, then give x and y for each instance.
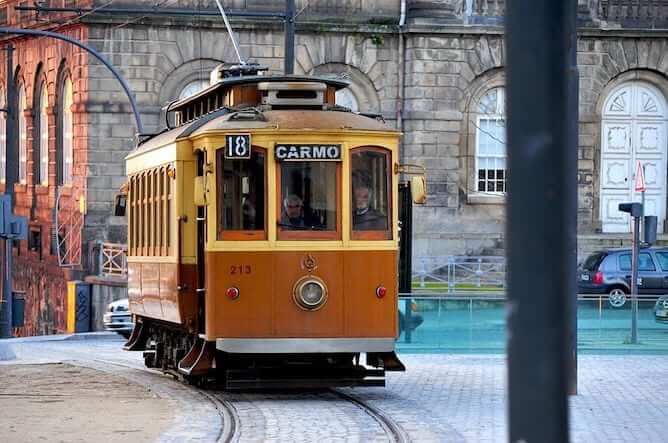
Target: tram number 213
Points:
(240, 269)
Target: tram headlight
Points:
(310, 293)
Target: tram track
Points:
(394, 432)
(230, 423)
(230, 418)
(229, 429)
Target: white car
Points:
(661, 310)
(118, 318)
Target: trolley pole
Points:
(542, 188)
(11, 171)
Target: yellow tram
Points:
(263, 237)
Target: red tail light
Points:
(381, 291)
(232, 293)
(598, 278)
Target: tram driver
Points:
(293, 212)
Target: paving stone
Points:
(453, 398)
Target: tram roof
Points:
(293, 119)
(254, 79)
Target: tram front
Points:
(301, 246)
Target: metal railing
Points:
(634, 10)
(476, 322)
(459, 273)
(489, 8)
(113, 259)
(68, 227)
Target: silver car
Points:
(118, 318)
(661, 310)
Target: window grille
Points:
(149, 202)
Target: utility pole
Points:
(289, 37)
(542, 186)
(11, 171)
(570, 199)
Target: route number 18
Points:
(238, 146)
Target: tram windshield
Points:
(241, 203)
(370, 196)
(308, 196)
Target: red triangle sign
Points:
(640, 178)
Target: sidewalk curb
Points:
(6, 352)
(102, 335)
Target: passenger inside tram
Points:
(370, 190)
(308, 196)
(365, 217)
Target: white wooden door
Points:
(633, 129)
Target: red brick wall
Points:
(40, 274)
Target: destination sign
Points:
(299, 152)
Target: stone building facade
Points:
(435, 72)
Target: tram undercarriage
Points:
(194, 360)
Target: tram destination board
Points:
(238, 146)
(300, 152)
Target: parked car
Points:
(661, 310)
(118, 318)
(609, 272)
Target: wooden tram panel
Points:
(162, 285)
(265, 307)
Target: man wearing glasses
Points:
(293, 212)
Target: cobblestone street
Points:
(439, 398)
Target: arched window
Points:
(41, 136)
(44, 137)
(490, 156)
(23, 136)
(193, 88)
(345, 97)
(3, 139)
(66, 132)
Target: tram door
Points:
(405, 236)
(201, 242)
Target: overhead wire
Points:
(68, 22)
(135, 20)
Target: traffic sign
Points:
(640, 178)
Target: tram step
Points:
(308, 383)
(253, 379)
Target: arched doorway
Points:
(633, 130)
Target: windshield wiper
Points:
(300, 228)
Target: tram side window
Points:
(149, 201)
(241, 196)
(308, 196)
(370, 193)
